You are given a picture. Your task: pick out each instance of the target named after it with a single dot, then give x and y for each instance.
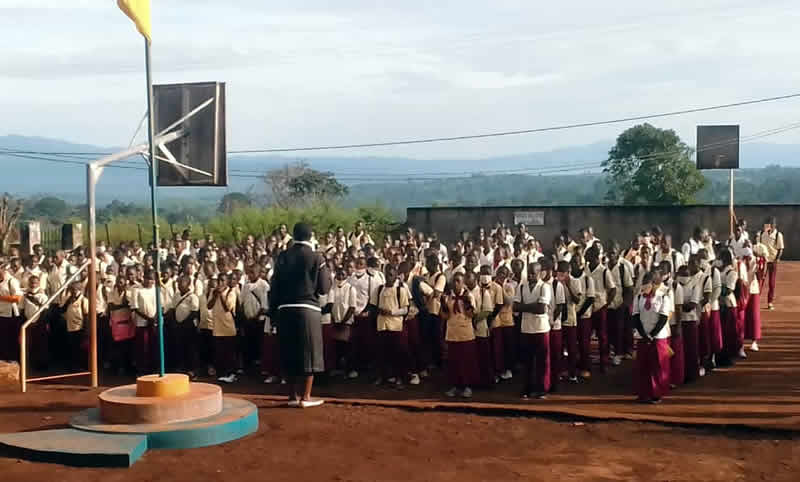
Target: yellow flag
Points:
(139, 12)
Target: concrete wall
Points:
(611, 222)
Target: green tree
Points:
(649, 165)
(233, 201)
(10, 212)
(51, 208)
(298, 184)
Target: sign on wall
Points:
(529, 218)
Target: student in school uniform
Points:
(579, 301)
(756, 262)
(337, 336)
(711, 318)
(254, 301)
(742, 298)
(363, 342)
(533, 299)
(557, 311)
(486, 309)
(651, 310)
(392, 300)
(144, 315)
(503, 330)
(75, 308)
(773, 240)
(433, 327)
(691, 295)
(462, 357)
(185, 310)
(222, 303)
(674, 291)
(205, 328)
(618, 307)
(664, 252)
(10, 296)
(34, 299)
(605, 290)
(584, 315)
(419, 291)
(729, 312)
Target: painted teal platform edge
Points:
(59, 447)
(214, 430)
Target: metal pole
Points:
(154, 203)
(91, 181)
(730, 201)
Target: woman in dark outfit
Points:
(300, 278)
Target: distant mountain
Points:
(34, 172)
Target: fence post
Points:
(139, 227)
(108, 236)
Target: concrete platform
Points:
(121, 405)
(75, 447)
(237, 419)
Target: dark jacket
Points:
(300, 277)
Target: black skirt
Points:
(300, 339)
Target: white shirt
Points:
(146, 303)
(29, 307)
(603, 281)
(185, 305)
(659, 305)
(254, 298)
(9, 287)
(343, 298)
(541, 293)
(559, 298)
(365, 285)
(692, 292)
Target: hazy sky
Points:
(321, 72)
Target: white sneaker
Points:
(742, 353)
(414, 380)
(467, 393)
(229, 379)
(378, 382)
(451, 393)
(507, 375)
(392, 380)
(283, 381)
(295, 403)
(702, 371)
(270, 380)
(424, 374)
(754, 346)
(771, 307)
(616, 361)
(311, 403)
(352, 375)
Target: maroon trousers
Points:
(270, 355)
(616, 328)
(9, 338)
(328, 348)
(364, 343)
(393, 354)
(556, 358)
(462, 363)
(570, 334)
(585, 344)
(652, 369)
(752, 322)
(536, 359)
(772, 275)
(600, 326)
(485, 361)
(411, 328)
(691, 350)
(184, 348)
(142, 349)
(504, 347)
(677, 368)
(225, 355)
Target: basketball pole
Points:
(730, 201)
(154, 205)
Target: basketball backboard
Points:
(199, 110)
(718, 147)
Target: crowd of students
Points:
(492, 307)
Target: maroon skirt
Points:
(715, 332)
(677, 367)
(752, 320)
(730, 339)
(143, 341)
(462, 363)
(652, 369)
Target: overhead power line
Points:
(465, 137)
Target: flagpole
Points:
(154, 206)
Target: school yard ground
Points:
(741, 423)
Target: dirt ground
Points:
(740, 423)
